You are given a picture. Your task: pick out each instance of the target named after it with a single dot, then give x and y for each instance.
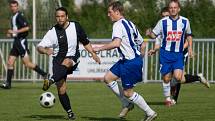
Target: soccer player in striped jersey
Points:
(127, 39)
(62, 42)
(173, 30)
(19, 32)
(186, 78)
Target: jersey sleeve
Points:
(158, 40)
(139, 39)
(158, 28)
(46, 41)
(21, 20)
(117, 31)
(188, 29)
(81, 35)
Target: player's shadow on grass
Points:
(103, 119)
(41, 117)
(155, 103)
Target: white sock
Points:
(118, 92)
(166, 90)
(141, 103)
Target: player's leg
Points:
(22, 48)
(166, 70)
(110, 80)
(64, 98)
(141, 103)
(175, 89)
(166, 89)
(27, 62)
(60, 70)
(10, 71)
(189, 78)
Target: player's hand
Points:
(96, 58)
(148, 32)
(10, 31)
(151, 52)
(49, 51)
(9, 35)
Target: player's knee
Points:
(166, 79)
(10, 64)
(107, 80)
(61, 90)
(178, 78)
(128, 93)
(29, 65)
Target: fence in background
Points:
(203, 61)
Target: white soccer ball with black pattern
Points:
(47, 100)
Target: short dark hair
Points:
(164, 9)
(62, 9)
(175, 1)
(116, 5)
(13, 2)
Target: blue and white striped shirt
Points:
(130, 36)
(173, 33)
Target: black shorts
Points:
(57, 63)
(20, 47)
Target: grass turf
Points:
(93, 101)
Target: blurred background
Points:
(92, 15)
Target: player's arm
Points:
(114, 44)
(45, 46)
(142, 48)
(189, 39)
(21, 30)
(153, 51)
(44, 50)
(89, 48)
(190, 45)
(156, 47)
(150, 33)
(117, 35)
(82, 37)
(186, 44)
(157, 30)
(23, 23)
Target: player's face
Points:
(14, 8)
(61, 17)
(113, 15)
(174, 9)
(165, 14)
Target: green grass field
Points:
(95, 102)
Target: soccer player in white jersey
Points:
(127, 39)
(62, 41)
(173, 30)
(187, 78)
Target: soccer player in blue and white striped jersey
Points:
(127, 39)
(173, 30)
(186, 78)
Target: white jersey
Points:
(173, 33)
(130, 36)
(65, 41)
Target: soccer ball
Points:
(47, 100)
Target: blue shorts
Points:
(169, 61)
(130, 71)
